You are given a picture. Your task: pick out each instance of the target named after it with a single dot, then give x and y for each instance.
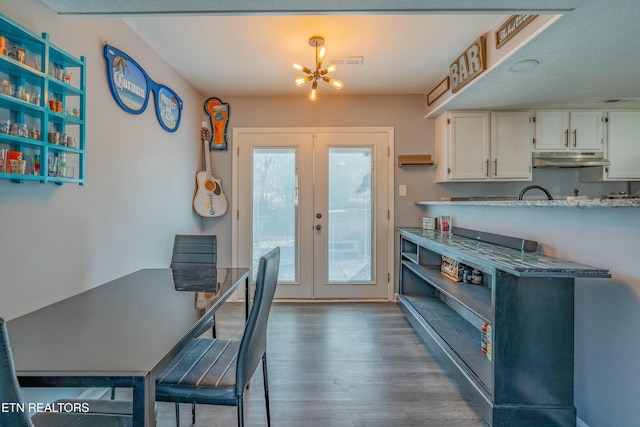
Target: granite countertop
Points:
(587, 203)
(532, 264)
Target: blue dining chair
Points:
(18, 417)
(215, 371)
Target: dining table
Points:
(122, 333)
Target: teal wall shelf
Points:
(42, 107)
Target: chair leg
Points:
(266, 387)
(240, 411)
(193, 413)
(113, 393)
(213, 328)
(177, 414)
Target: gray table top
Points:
(127, 327)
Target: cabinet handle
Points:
(566, 137)
(487, 169)
(495, 167)
(575, 137)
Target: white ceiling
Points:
(252, 55)
(590, 55)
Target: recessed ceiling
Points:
(588, 56)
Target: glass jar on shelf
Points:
(62, 165)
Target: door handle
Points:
(318, 227)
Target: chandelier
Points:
(318, 73)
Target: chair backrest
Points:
(254, 339)
(10, 393)
(194, 251)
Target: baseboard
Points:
(580, 423)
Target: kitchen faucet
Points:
(539, 187)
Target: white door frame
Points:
(235, 247)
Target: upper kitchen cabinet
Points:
(483, 146)
(511, 145)
(622, 149)
(563, 130)
(462, 146)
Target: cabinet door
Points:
(510, 146)
(586, 130)
(551, 130)
(469, 146)
(623, 145)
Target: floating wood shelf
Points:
(413, 160)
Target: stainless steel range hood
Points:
(569, 159)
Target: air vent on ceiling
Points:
(346, 60)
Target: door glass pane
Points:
(349, 221)
(275, 203)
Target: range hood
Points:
(569, 159)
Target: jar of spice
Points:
(476, 277)
(466, 275)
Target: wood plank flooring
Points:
(342, 365)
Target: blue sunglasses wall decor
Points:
(131, 86)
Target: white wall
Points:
(57, 241)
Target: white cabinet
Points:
(483, 146)
(622, 149)
(462, 146)
(563, 130)
(511, 146)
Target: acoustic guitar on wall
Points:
(209, 201)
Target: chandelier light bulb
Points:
(321, 54)
(300, 81)
(313, 94)
(301, 68)
(330, 69)
(335, 83)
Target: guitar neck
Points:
(207, 157)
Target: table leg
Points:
(246, 298)
(144, 394)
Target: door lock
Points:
(318, 215)
(318, 227)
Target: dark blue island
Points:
(506, 336)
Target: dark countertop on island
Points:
(516, 262)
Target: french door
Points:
(323, 196)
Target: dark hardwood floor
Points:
(343, 365)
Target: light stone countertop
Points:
(588, 203)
